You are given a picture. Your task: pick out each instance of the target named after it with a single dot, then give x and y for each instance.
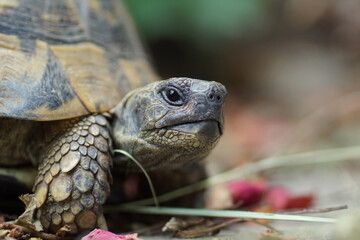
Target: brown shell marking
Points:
(73, 189)
(86, 66)
(62, 59)
(34, 86)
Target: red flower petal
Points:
(305, 201)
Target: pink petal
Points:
(278, 198)
(246, 192)
(98, 234)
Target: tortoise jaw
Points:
(209, 129)
(179, 144)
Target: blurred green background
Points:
(251, 44)
(190, 37)
(200, 21)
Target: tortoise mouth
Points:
(208, 128)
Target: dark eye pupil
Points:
(173, 95)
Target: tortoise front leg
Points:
(74, 176)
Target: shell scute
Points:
(64, 59)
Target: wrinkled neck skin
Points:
(163, 129)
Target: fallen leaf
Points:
(4, 233)
(20, 232)
(27, 218)
(197, 228)
(261, 209)
(219, 197)
(273, 236)
(177, 224)
(63, 231)
(15, 233)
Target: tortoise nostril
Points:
(215, 97)
(216, 93)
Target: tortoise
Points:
(74, 81)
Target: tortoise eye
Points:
(172, 96)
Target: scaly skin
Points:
(74, 176)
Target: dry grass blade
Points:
(312, 211)
(155, 200)
(218, 213)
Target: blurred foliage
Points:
(271, 51)
(202, 21)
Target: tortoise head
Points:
(170, 123)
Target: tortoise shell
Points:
(62, 58)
